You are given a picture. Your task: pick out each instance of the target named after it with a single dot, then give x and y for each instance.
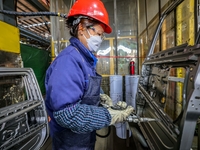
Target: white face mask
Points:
(93, 42)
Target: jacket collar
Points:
(88, 56)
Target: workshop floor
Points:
(112, 142)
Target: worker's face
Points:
(96, 30)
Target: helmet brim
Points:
(108, 29)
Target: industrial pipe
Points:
(33, 13)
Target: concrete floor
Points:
(112, 142)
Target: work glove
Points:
(120, 112)
(106, 100)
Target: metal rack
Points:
(23, 125)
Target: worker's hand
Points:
(105, 99)
(120, 115)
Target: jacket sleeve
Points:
(82, 118)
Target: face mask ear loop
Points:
(84, 36)
(89, 33)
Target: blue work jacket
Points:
(67, 78)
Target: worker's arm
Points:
(82, 118)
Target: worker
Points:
(73, 85)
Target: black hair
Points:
(73, 28)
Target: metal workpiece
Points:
(188, 123)
(169, 90)
(23, 117)
(170, 8)
(169, 93)
(137, 119)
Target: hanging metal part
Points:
(190, 116)
(177, 130)
(23, 120)
(169, 94)
(158, 28)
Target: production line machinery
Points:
(168, 94)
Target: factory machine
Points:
(169, 93)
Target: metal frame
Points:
(167, 133)
(181, 138)
(39, 132)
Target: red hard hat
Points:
(92, 8)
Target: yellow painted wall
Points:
(9, 39)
